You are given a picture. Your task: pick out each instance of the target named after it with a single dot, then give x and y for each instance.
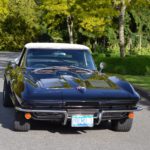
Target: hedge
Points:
(132, 65)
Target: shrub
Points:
(133, 65)
(147, 70)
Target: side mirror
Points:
(102, 66)
(17, 60)
(14, 63)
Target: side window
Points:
(89, 60)
(22, 58)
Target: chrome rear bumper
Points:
(66, 116)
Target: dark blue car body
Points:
(59, 93)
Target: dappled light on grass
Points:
(142, 81)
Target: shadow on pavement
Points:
(145, 103)
(6, 115)
(58, 128)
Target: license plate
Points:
(82, 121)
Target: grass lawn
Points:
(141, 81)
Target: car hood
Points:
(65, 86)
(69, 80)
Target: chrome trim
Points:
(66, 117)
(137, 108)
(44, 111)
(99, 118)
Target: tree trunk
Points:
(70, 28)
(121, 28)
(140, 41)
(130, 43)
(95, 45)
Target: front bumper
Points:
(100, 114)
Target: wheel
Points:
(104, 124)
(123, 125)
(20, 123)
(7, 102)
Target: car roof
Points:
(65, 46)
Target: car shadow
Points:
(7, 119)
(145, 103)
(59, 128)
(6, 115)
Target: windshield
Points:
(40, 58)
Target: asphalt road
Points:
(48, 136)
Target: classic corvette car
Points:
(60, 82)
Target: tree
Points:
(20, 25)
(94, 17)
(141, 24)
(3, 14)
(3, 9)
(121, 28)
(100, 24)
(57, 12)
(122, 6)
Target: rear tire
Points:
(123, 125)
(7, 102)
(20, 123)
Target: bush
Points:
(147, 70)
(133, 65)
